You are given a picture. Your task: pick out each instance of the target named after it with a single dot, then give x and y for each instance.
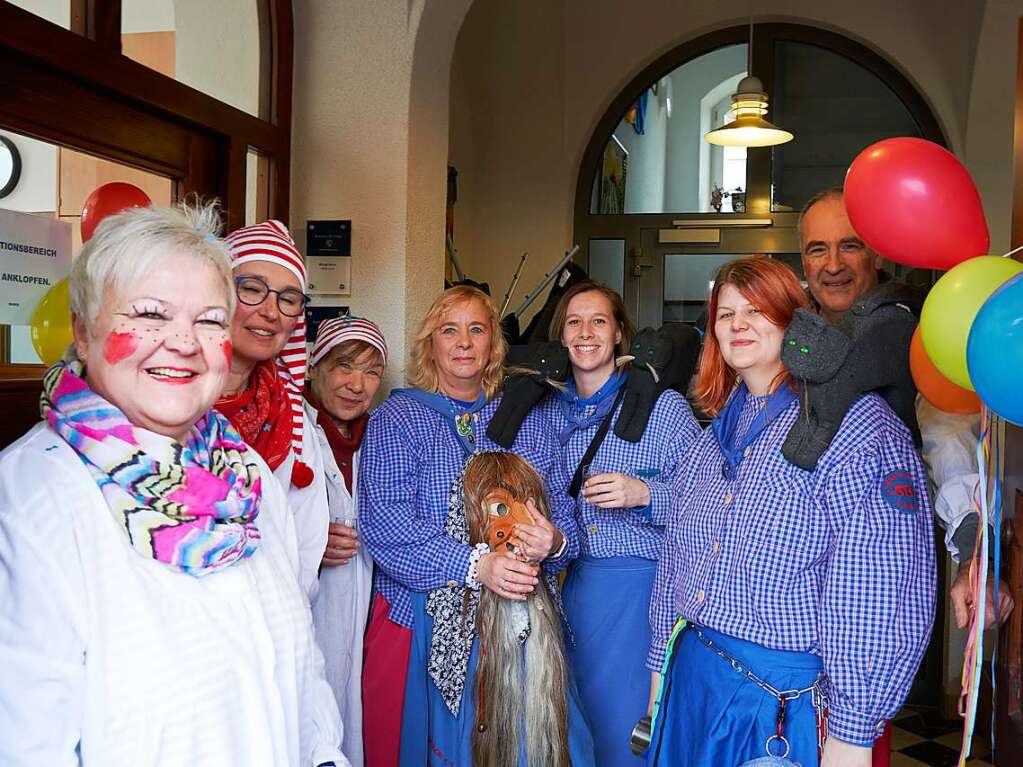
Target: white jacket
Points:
(950, 455)
(341, 604)
(308, 504)
(111, 659)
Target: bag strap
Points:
(595, 443)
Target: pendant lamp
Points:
(749, 105)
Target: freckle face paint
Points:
(119, 347)
(226, 348)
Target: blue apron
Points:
(430, 735)
(607, 604)
(710, 714)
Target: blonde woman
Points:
(415, 446)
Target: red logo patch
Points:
(898, 492)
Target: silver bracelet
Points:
(472, 577)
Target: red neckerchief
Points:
(341, 446)
(261, 412)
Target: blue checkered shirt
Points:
(838, 561)
(656, 459)
(410, 457)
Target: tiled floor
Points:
(922, 738)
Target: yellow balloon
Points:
(51, 323)
(951, 307)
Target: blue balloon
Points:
(994, 351)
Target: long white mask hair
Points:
(512, 696)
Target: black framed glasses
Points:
(252, 291)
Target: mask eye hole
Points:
(498, 509)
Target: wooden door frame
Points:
(80, 91)
(1008, 681)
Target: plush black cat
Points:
(525, 386)
(867, 350)
(662, 359)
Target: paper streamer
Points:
(973, 659)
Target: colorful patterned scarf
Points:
(190, 505)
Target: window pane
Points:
(212, 47)
(607, 263)
(688, 278)
(55, 11)
(54, 183)
(835, 108)
(257, 190)
(657, 161)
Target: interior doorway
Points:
(650, 187)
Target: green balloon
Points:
(951, 307)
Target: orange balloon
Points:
(935, 388)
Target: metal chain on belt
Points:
(780, 695)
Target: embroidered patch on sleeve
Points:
(898, 492)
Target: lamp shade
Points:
(749, 128)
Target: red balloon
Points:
(107, 200)
(914, 203)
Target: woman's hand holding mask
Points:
(507, 576)
(537, 541)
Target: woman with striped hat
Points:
(263, 396)
(346, 366)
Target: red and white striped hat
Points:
(337, 330)
(271, 242)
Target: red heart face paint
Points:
(226, 348)
(120, 346)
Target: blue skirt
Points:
(711, 714)
(430, 735)
(607, 604)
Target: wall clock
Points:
(10, 166)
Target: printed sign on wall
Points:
(328, 258)
(35, 253)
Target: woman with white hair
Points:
(416, 444)
(347, 364)
(263, 395)
(150, 610)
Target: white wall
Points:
(57, 11)
(989, 120)
(691, 83)
(645, 179)
(147, 16)
(217, 49)
(507, 116)
(369, 143)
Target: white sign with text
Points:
(35, 254)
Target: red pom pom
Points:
(301, 475)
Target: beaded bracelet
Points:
(472, 577)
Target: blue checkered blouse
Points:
(838, 561)
(410, 457)
(657, 459)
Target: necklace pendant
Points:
(463, 425)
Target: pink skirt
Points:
(384, 670)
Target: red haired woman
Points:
(790, 591)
